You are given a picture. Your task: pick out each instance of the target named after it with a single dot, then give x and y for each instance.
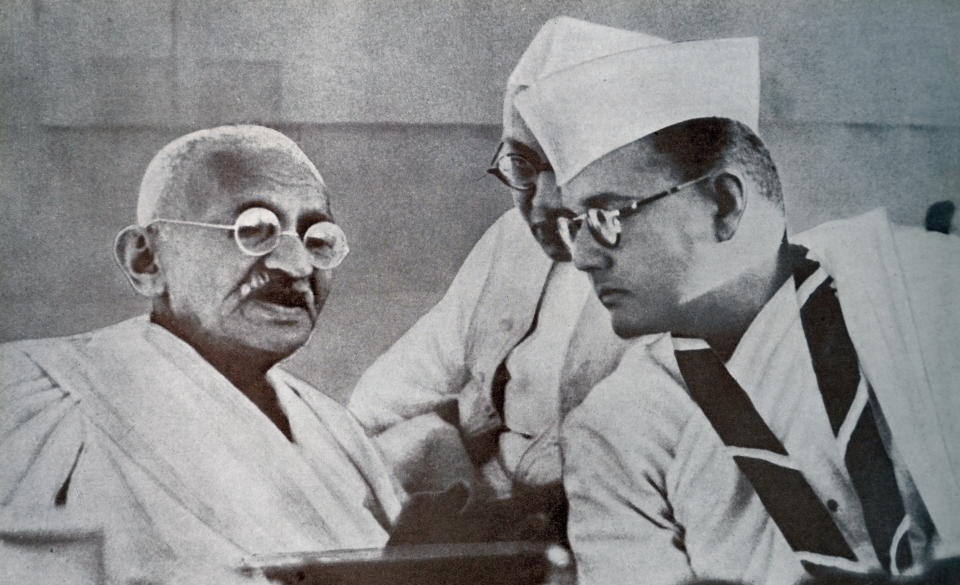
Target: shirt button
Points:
(832, 505)
(506, 324)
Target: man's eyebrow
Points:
(258, 203)
(311, 217)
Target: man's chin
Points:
(628, 328)
(277, 347)
(279, 340)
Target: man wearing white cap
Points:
(801, 417)
(518, 338)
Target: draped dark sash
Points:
(805, 522)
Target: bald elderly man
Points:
(173, 433)
(478, 387)
(800, 418)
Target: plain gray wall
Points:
(398, 103)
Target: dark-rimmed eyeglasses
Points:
(257, 232)
(605, 224)
(516, 170)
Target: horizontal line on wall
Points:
(271, 124)
(387, 125)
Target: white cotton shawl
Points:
(898, 289)
(176, 464)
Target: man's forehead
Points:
(284, 199)
(218, 205)
(233, 170)
(516, 131)
(634, 170)
(230, 180)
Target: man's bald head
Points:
(227, 158)
(186, 252)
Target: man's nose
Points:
(588, 255)
(545, 197)
(290, 256)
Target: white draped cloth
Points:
(129, 431)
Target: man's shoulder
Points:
(870, 250)
(633, 421)
(507, 264)
(510, 237)
(866, 231)
(27, 360)
(510, 221)
(28, 390)
(15, 350)
(17, 366)
(17, 357)
(644, 394)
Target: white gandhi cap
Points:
(585, 90)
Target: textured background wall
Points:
(398, 103)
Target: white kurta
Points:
(452, 353)
(532, 396)
(172, 462)
(655, 496)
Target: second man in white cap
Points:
(482, 381)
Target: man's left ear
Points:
(135, 254)
(730, 200)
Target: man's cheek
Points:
(321, 290)
(524, 203)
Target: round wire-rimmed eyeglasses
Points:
(517, 170)
(257, 232)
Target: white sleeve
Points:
(621, 524)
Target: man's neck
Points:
(244, 368)
(722, 316)
(251, 379)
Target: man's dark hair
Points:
(696, 146)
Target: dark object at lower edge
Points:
(496, 563)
